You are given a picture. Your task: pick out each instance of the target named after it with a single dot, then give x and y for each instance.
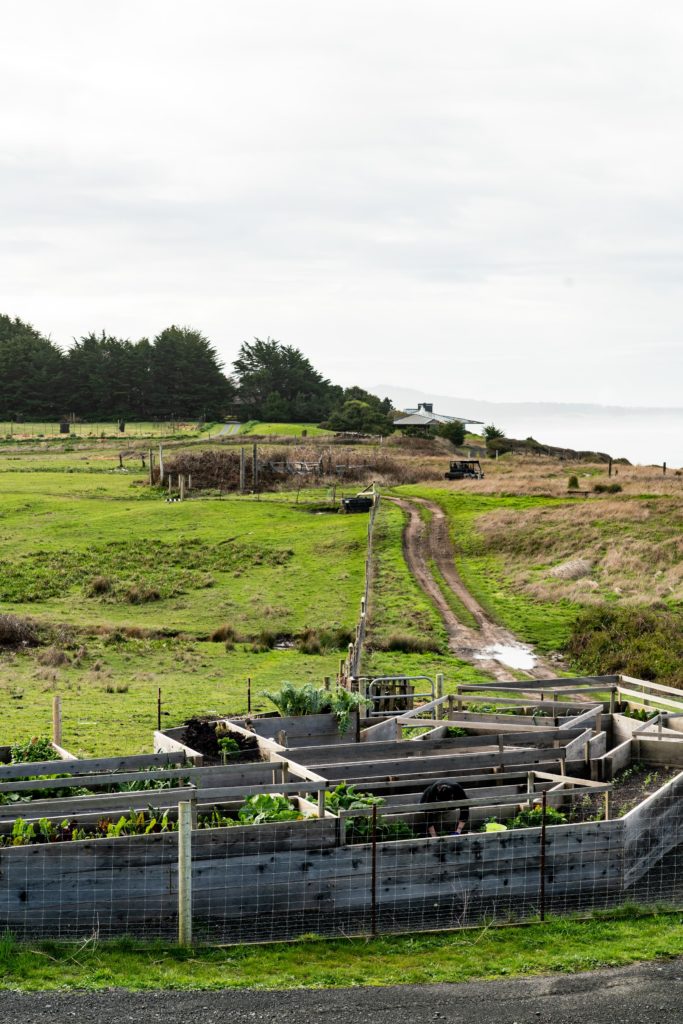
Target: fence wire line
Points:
(280, 881)
(356, 654)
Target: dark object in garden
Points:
(465, 470)
(122, 426)
(200, 735)
(64, 427)
(440, 792)
(361, 503)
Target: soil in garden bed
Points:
(200, 735)
(632, 785)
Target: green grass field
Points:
(284, 429)
(173, 573)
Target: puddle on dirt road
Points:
(521, 658)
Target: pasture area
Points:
(128, 589)
(260, 429)
(49, 430)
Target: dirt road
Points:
(430, 542)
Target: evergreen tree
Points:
(186, 378)
(278, 382)
(31, 372)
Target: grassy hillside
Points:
(127, 590)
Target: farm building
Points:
(424, 416)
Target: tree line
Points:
(176, 375)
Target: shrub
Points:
(408, 643)
(265, 641)
(573, 484)
(141, 594)
(323, 641)
(643, 642)
(99, 585)
(224, 633)
(16, 632)
(607, 488)
(53, 657)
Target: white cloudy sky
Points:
(473, 198)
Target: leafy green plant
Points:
(227, 747)
(267, 807)
(573, 483)
(533, 818)
(345, 797)
(38, 748)
(359, 830)
(455, 730)
(311, 700)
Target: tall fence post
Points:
(57, 720)
(243, 470)
(185, 873)
(541, 890)
(151, 468)
(161, 465)
(439, 694)
(373, 904)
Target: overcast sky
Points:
(479, 199)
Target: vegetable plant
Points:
(312, 700)
(38, 748)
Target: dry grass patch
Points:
(631, 549)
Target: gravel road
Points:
(640, 994)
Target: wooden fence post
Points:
(151, 468)
(243, 470)
(185, 873)
(439, 693)
(254, 466)
(161, 465)
(181, 486)
(57, 720)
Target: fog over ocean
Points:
(642, 435)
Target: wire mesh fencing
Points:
(331, 877)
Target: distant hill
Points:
(643, 435)
(480, 409)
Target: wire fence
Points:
(285, 879)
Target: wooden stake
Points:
(161, 465)
(243, 470)
(184, 873)
(151, 468)
(254, 467)
(181, 485)
(57, 720)
(439, 693)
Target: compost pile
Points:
(200, 735)
(218, 470)
(290, 464)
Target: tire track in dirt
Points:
(426, 542)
